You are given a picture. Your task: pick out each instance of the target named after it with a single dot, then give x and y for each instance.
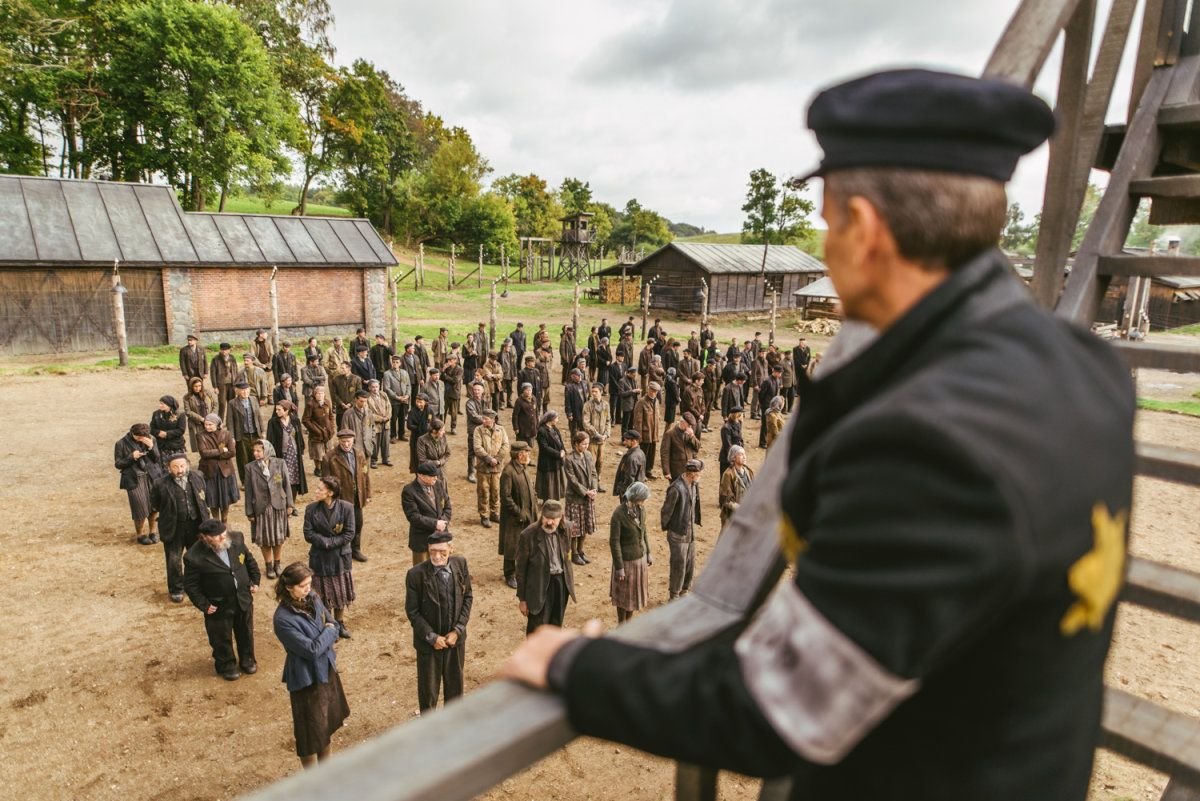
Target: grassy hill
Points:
(714, 239)
(256, 205)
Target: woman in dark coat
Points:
(329, 529)
(420, 417)
(217, 462)
(551, 480)
(285, 390)
(285, 436)
(731, 434)
(268, 501)
(167, 426)
(630, 546)
(307, 633)
(525, 417)
(198, 403)
(138, 459)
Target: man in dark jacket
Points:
(518, 505)
(426, 505)
(437, 601)
(627, 392)
(350, 467)
(573, 398)
(517, 337)
(544, 576)
(632, 466)
(531, 375)
(616, 373)
(361, 365)
(679, 517)
(679, 446)
(193, 360)
(284, 363)
(955, 507)
(381, 356)
(220, 578)
(178, 497)
(222, 374)
(243, 419)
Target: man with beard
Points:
(545, 579)
(178, 497)
(437, 601)
(220, 578)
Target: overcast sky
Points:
(673, 102)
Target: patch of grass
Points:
(256, 205)
(714, 239)
(1190, 408)
(1187, 329)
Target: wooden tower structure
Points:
(575, 254)
(501, 729)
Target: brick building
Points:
(184, 272)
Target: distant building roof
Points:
(821, 288)
(719, 259)
(54, 221)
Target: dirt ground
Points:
(107, 688)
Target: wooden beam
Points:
(1176, 358)
(1028, 39)
(1156, 737)
(1163, 588)
(1185, 186)
(1143, 64)
(1183, 115)
(1149, 265)
(1110, 225)
(1179, 465)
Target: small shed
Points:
(736, 279)
(819, 300)
(184, 272)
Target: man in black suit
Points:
(426, 505)
(437, 600)
(179, 500)
(801, 356)
(767, 390)
(220, 578)
(544, 576)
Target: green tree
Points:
(638, 226)
(776, 212)
(536, 210)
(29, 68)
(1141, 233)
(575, 196)
(1018, 236)
(487, 220)
(435, 200)
(1091, 200)
(194, 97)
(604, 218)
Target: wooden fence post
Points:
(274, 293)
(450, 270)
(774, 313)
(504, 267)
(492, 319)
(575, 313)
(703, 304)
(645, 304)
(421, 263)
(118, 310)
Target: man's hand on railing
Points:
(530, 663)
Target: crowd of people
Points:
(243, 429)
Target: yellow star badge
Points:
(790, 542)
(1096, 577)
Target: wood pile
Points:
(625, 293)
(824, 328)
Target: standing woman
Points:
(420, 418)
(269, 501)
(167, 426)
(285, 390)
(629, 587)
(551, 480)
(329, 529)
(312, 349)
(307, 634)
(583, 484)
(217, 454)
(198, 403)
(321, 423)
(137, 457)
(283, 432)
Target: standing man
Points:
(491, 443)
(509, 365)
(801, 356)
(680, 515)
(344, 387)
(475, 407)
(452, 381)
(348, 465)
(646, 362)
(381, 414)
(426, 505)
(632, 466)
(437, 600)
(573, 401)
(441, 348)
(361, 364)
(422, 355)
(381, 356)
(312, 374)
(433, 447)
(597, 424)
(614, 377)
(679, 446)
(178, 497)
(243, 419)
(260, 352)
(193, 360)
(222, 374)
(531, 376)
(518, 505)
(628, 393)
(517, 337)
(220, 578)
(566, 351)
(398, 387)
(435, 393)
(358, 418)
(256, 378)
(644, 420)
(336, 357)
(882, 486)
(284, 363)
(544, 576)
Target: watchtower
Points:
(575, 258)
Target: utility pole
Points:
(118, 310)
(274, 293)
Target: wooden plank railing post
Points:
(118, 312)
(492, 318)
(274, 293)
(695, 783)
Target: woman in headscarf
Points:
(285, 436)
(138, 459)
(734, 483)
(218, 452)
(268, 502)
(551, 480)
(629, 587)
(303, 626)
(775, 419)
(167, 426)
(197, 404)
(329, 530)
(285, 390)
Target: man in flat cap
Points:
(220, 578)
(437, 601)
(954, 509)
(632, 466)
(427, 507)
(193, 360)
(491, 446)
(518, 506)
(222, 374)
(348, 464)
(178, 498)
(679, 516)
(243, 420)
(645, 421)
(545, 579)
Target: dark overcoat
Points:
(207, 580)
(422, 603)
(165, 499)
(423, 514)
(533, 563)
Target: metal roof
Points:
(57, 221)
(821, 288)
(725, 259)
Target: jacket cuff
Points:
(560, 664)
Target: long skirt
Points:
(336, 591)
(582, 517)
(551, 484)
(270, 528)
(317, 712)
(221, 491)
(633, 593)
(139, 498)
